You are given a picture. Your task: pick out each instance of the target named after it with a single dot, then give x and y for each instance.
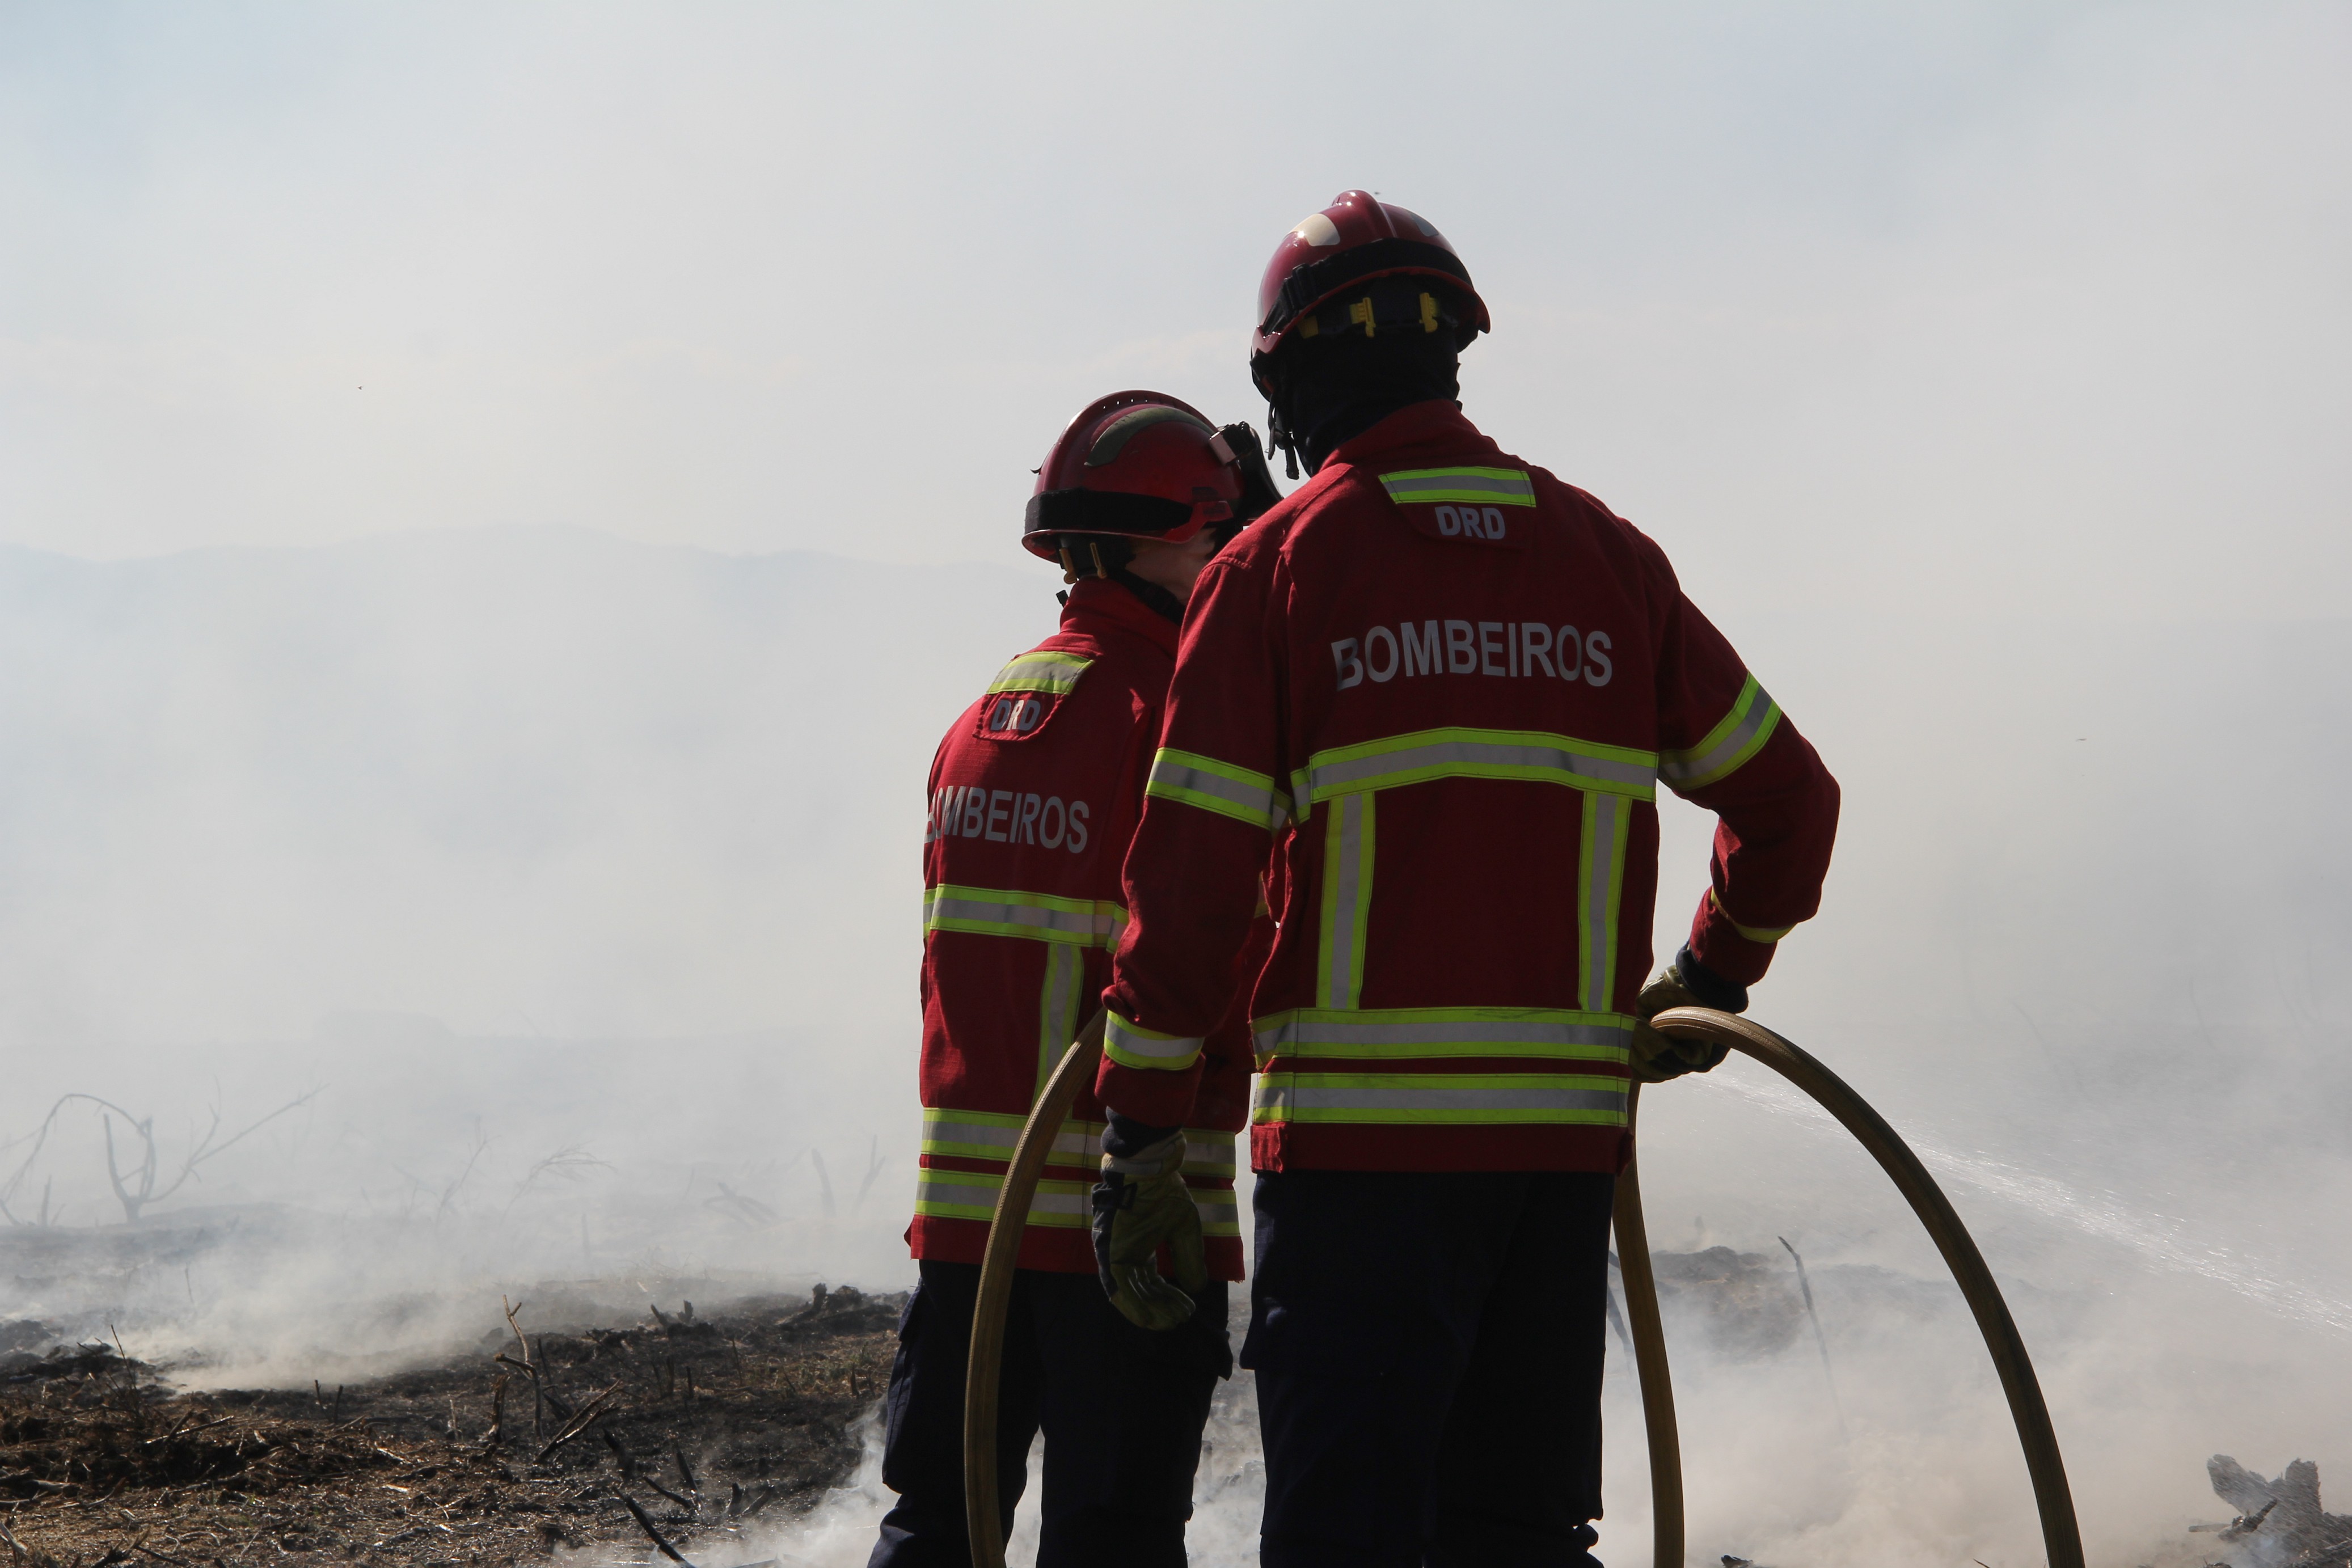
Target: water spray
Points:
(2062, 1538)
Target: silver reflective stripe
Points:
(1347, 895)
(961, 1190)
(943, 905)
(1220, 1211)
(1078, 1143)
(938, 1129)
(1285, 1099)
(1259, 803)
(1327, 779)
(1208, 1153)
(1123, 1039)
(1693, 768)
(1057, 1009)
(1600, 869)
(1403, 1038)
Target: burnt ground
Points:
(529, 1443)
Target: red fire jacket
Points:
(1035, 794)
(1447, 686)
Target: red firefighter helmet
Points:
(1358, 237)
(1135, 464)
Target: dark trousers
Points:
(1122, 1409)
(1428, 1350)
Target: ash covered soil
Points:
(527, 1445)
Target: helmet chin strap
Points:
(1279, 435)
(1154, 597)
(1115, 570)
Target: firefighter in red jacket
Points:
(1033, 796)
(1441, 687)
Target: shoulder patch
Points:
(1475, 505)
(1028, 692)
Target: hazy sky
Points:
(2006, 307)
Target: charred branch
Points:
(136, 1191)
(587, 1417)
(660, 1541)
(631, 1471)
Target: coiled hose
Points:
(2062, 1540)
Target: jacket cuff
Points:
(1147, 1049)
(1720, 948)
(1151, 1099)
(1711, 990)
(1125, 1136)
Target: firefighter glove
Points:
(1685, 983)
(1140, 1204)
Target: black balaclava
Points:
(1332, 387)
(1109, 559)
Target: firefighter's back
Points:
(1471, 762)
(1034, 797)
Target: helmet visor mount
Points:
(1082, 511)
(1310, 284)
(1395, 304)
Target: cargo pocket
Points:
(1315, 1339)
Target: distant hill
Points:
(524, 781)
(545, 783)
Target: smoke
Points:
(1981, 370)
(2119, 1062)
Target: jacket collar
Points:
(1097, 606)
(1436, 429)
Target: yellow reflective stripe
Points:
(1208, 1153)
(1500, 486)
(992, 1134)
(1057, 1007)
(1456, 752)
(1131, 1045)
(972, 1195)
(1058, 1205)
(1600, 884)
(1740, 735)
(1221, 1210)
(1347, 897)
(1007, 912)
(1753, 933)
(1220, 787)
(1482, 1099)
(1041, 672)
(1542, 1034)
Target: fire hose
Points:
(980, 1374)
(2061, 1539)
